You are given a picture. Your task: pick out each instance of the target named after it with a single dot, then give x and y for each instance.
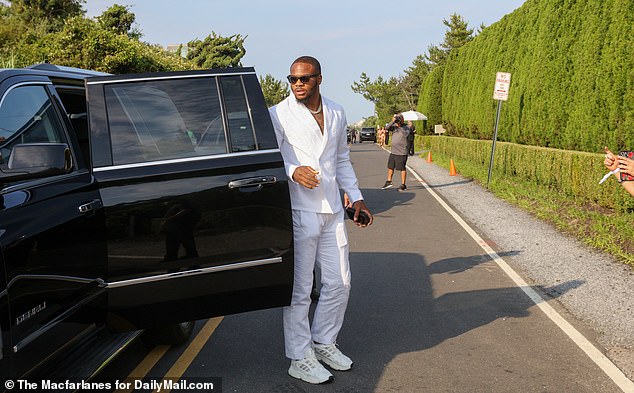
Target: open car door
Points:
(195, 196)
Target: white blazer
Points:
(302, 143)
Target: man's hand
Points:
(306, 176)
(359, 206)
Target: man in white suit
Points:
(311, 133)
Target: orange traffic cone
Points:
(452, 168)
(429, 156)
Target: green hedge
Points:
(430, 99)
(572, 84)
(575, 174)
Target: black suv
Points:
(368, 134)
(133, 202)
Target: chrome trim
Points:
(36, 83)
(32, 183)
(179, 160)
(153, 78)
(191, 273)
(53, 277)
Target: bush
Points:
(575, 174)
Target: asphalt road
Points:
(429, 311)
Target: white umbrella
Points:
(413, 115)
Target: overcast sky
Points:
(348, 37)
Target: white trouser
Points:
(319, 239)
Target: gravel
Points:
(592, 286)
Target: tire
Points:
(175, 334)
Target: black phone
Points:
(629, 154)
(363, 218)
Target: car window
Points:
(164, 119)
(27, 115)
(239, 121)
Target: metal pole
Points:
(495, 137)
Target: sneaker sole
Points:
(306, 378)
(332, 364)
(385, 188)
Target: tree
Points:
(456, 36)
(387, 95)
(84, 43)
(51, 10)
(414, 76)
(216, 51)
(119, 19)
(273, 89)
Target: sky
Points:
(348, 37)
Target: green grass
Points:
(603, 229)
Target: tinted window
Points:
(164, 119)
(239, 121)
(27, 115)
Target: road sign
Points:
(500, 93)
(502, 85)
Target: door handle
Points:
(90, 206)
(252, 182)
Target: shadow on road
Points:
(462, 264)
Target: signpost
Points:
(500, 93)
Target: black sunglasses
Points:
(292, 79)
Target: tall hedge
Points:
(430, 99)
(572, 84)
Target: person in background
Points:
(398, 155)
(381, 136)
(410, 138)
(387, 135)
(624, 164)
(311, 133)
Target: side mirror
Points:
(36, 160)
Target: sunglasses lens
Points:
(304, 78)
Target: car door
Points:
(52, 239)
(195, 196)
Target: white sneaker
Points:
(332, 356)
(309, 369)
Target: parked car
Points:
(368, 134)
(133, 202)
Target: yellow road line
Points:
(192, 350)
(145, 366)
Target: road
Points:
(430, 311)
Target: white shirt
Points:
(302, 144)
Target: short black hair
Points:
(310, 60)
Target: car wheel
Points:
(177, 333)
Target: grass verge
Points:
(603, 229)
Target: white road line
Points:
(613, 372)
